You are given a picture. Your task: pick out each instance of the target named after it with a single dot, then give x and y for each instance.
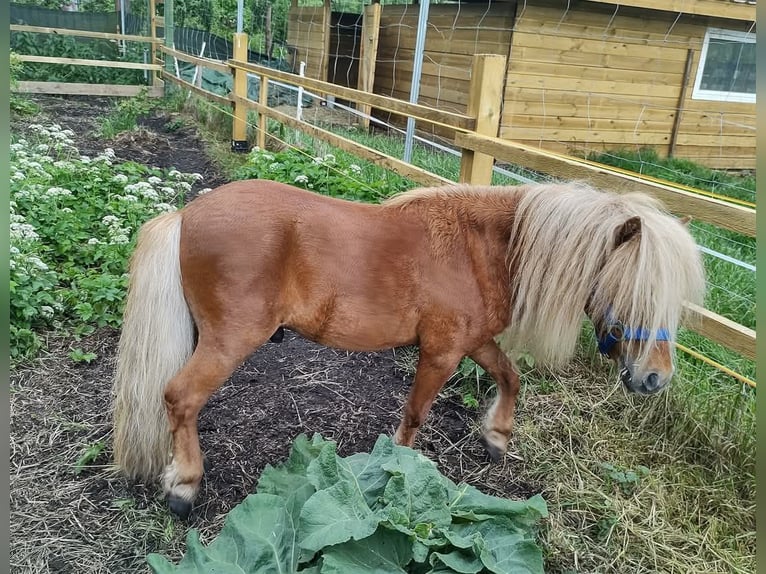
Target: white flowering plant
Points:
(339, 175)
(73, 221)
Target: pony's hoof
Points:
(179, 507)
(495, 452)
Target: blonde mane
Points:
(562, 257)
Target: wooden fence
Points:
(474, 136)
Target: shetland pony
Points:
(451, 269)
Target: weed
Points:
(80, 356)
(125, 115)
(89, 455)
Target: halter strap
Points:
(607, 342)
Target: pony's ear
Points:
(685, 220)
(627, 231)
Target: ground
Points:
(66, 518)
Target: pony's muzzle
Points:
(644, 384)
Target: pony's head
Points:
(622, 258)
(636, 322)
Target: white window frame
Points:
(716, 34)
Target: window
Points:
(726, 70)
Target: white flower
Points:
(23, 231)
(42, 148)
(46, 311)
(329, 158)
(130, 198)
(37, 262)
(18, 176)
(84, 159)
(197, 176)
(66, 210)
(14, 250)
(108, 152)
(164, 207)
(110, 220)
(154, 180)
(168, 190)
(120, 178)
(184, 185)
(94, 241)
(150, 194)
(175, 174)
(204, 191)
(119, 239)
(16, 147)
(301, 178)
(57, 191)
(355, 168)
(274, 166)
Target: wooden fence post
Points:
(484, 103)
(368, 53)
(263, 121)
(239, 123)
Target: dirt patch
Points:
(67, 517)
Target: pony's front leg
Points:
(185, 395)
(433, 371)
(498, 422)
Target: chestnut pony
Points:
(452, 269)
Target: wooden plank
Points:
(417, 111)
(81, 89)
(590, 137)
(597, 46)
(637, 124)
(216, 65)
(670, 75)
(83, 33)
(515, 110)
(368, 55)
(82, 62)
(530, 56)
(715, 8)
(402, 168)
(521, 80)
(716, 212)
(197, 90)
(724, 331)
(326, 21)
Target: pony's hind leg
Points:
(498, 422)
(212, 362)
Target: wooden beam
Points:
(710, 210)
(204, 62)
(681, 102)
(263, 120)
(715, 8)
(82, 62)
(83, 33)
(79, 89)
(419, 112)
(326, 31)
(721, 330)
(404, 169)
(485, 100)
(368, 53)
(197, 90)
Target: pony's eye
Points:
(617, 331)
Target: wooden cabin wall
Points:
(589, 79)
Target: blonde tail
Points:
(157, 339)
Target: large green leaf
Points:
(385, 552)
(367, 470)
(457, 561)
(502, 546)
(258, 537)
(471, 504)
(335, 515)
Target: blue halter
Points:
(607, 342)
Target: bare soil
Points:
(70, 518)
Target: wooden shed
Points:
(582, 75)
